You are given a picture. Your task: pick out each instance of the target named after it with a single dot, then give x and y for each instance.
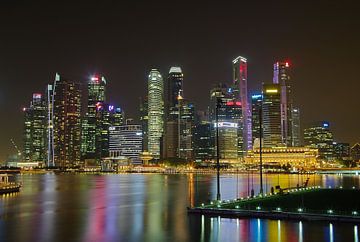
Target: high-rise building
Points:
(355, 152)
(144, 119)
(203, 143)
(126, 140)
(92, 124)
(155, 112)
(341, 151)
(67, 125)
(35, 130)
(186, 127)
(174, 89)
(230, 121)
(241, 92)
(295, 127)
(50, 122)
(282, 77)
(318, 135)
(272, 115)
(256, 108)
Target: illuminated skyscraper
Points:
(282, 77)
(230, 122)
(144, 119)
(50, 122)
(256, 104)
(272, 115)
(35, 130)
(126, 140)
(67, 125)
(92, 122)
(319, 136)
(174, 89)
(241, 93)
(155, 112)
(295, 127)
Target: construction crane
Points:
(17, 149)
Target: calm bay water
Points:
(152, 207)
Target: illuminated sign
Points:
(111, 108)
(256, 96)
(271, 91)
(325, 124)
(95, 78)
(226, 125)
(99, 106)
(286, 64)
(37, 96)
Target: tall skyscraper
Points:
(35, 130)
(155, 112)
(92, 124)
(67, 123)
(174, 90)
(230, 121)
(256, 108)
(144, 119)
(50, 122)
(282, 77)
(318, 135)
(295, 127)
(240, 87)
(271, 107)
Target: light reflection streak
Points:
(279, 230)
(331, 232)
(356, 236)
(300, 232)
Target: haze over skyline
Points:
(123, 42)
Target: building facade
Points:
(318, 135)
(126, 140)
(67, 123)
(155, 112)
(272, 135)
(35, 130)
(241, 93)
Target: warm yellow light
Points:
(271, 91)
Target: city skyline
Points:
(311, 61)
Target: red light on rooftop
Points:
(229, 103)
(238, 103)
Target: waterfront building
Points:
(35, 129)
(256, 108)
(92, 123)
(318, 135)
(144, 120)
(126, 141)
(272, 135)
(282, 78)
(295, 127)
(49, 92)
(67, 123)
(355, 152)
(174, 90)
(203, 143)
(178, 136)
(300, 157)
(241, 93)
(341, 151)
(155, 112)
(230, 118)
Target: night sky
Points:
(123, 40)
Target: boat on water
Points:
(7, 185)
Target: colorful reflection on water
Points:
(152, 207)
